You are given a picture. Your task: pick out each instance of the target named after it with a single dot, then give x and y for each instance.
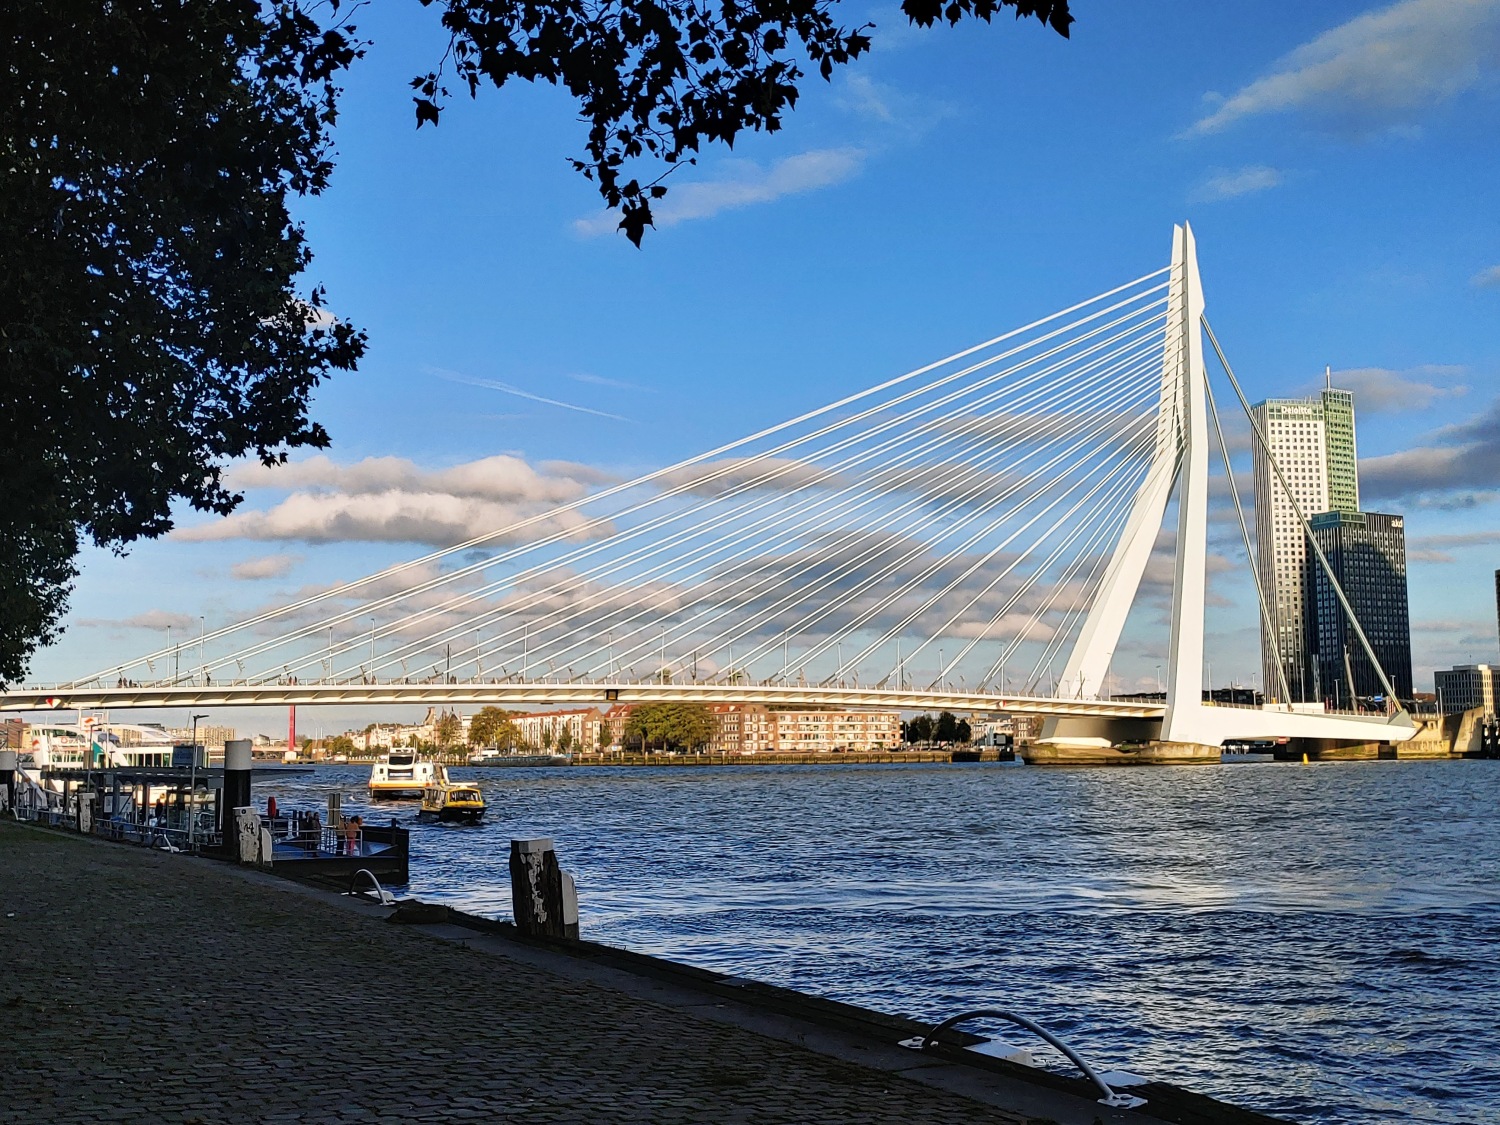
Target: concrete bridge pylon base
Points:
(1153, 753)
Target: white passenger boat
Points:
(95, 745)
(401, 773)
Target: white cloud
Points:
(503, 477)
(1241, 181)
(156, 620)
(1457, 467)
(714, 478)
(432, 518)
(391, 499)
(266, 566)
(868, 98)
(1379, 70)
(888, 107)
(1380, 389)
(748, 183)
(1438, 548)
(1485, 279)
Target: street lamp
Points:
(193, 784)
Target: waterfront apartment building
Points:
(575, 729)
(379, 737)
(739, 728)
(818, 732)
(1465, 687)
(753, 729)
(1367, 554)
(1299, 440)
(210, 737)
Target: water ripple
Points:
(1317, 942)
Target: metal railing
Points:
(382, 896)
(321, 840)
(1109, 1096)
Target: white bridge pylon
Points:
(970, 535)
(1181, 460)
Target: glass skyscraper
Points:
(1338, 437)
(1367, 553)
(1313, 443)
(1312, 440)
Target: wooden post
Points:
(543, 896)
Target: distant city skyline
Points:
(521, 354)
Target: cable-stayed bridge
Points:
(971, 535)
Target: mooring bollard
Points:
(542, 895)
(244, 840)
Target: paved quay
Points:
(137, 986)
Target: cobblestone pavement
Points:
(142, 987)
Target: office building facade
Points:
(1312, 442)
(1367, 553)
(1464, 688)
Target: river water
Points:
(1318, 942)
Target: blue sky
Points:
(1337, 161)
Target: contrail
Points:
(495, 385)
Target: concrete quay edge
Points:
(860, 1040)
(847, 1032)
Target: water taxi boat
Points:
(452, 802)
(402, 774)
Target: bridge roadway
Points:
(234, 694)
(1229, 722)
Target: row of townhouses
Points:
(739, 729)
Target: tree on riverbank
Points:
(670, 726)
(448, 731)
(947, 728)
(152, 330)
(340, 744)
(492, 726)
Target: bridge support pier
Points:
(1332, 750)
(1098, 741)
(1151, 753)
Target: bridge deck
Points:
(600, 694)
